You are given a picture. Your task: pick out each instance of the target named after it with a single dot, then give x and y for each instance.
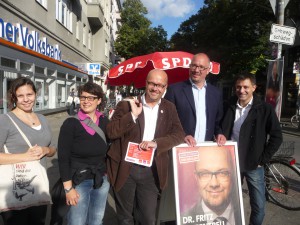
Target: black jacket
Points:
(260, 134)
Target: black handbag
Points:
(59, 207)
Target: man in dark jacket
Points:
(255, 126)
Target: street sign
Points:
(93, 69)
(283, 34)
(273, 4)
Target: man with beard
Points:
(153, 123)
(216, 180)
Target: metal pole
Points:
(280, 16)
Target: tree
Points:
(136, 37)
(232, 32)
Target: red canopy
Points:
(135, 70)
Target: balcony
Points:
(95, 14)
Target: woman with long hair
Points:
(22, 95)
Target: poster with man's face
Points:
(207, 185)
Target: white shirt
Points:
(150, 115)
(200, 106)
(228, 214)
(241, 114)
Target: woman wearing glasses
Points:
(81, 159)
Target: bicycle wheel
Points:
(295, 120)
(283, 184)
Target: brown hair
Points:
(15, 85)
(91, 88)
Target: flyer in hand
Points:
(138, 156)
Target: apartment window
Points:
(64, 13)
(90, 40)
(42, 3)
(77, 30)
(84, 35)
(106, 48)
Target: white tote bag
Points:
(24, 184)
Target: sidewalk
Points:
(274, 214)
(287, 127)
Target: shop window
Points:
(8, 62)
(292, 93)
(61, 94)
(50, 72)
(71, 77)
(64, 13)
(61, 75)
(39, 70)
(25, 66)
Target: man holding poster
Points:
(254, 125)
(152, 123)
(217, 188)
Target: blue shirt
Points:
(199, 99)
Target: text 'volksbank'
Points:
(21, 35)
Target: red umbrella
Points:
(135, 70)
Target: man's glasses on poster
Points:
(207, 176)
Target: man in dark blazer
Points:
(253, 124)
(152, 122)
(198, 103)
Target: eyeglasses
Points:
(201, 68)
(159, 86)
(89, 98)
(207, 176)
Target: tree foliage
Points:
(136, 36)
(232, 32)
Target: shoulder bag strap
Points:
(21, 132)
(92, 125)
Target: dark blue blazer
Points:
(181, 95)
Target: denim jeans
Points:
(91, 205)
(256, 186)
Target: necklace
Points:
(30, 119)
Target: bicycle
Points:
(295, 119)
(282, 178)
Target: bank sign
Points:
(93, 69)
(32, 40)
(282, 34)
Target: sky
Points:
(170, 13)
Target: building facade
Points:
(59, 44)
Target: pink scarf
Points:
(82, 116)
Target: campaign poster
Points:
(274, 85)
(208, 185)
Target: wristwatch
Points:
(68, 190)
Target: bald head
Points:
(156, 84)
(157, 73)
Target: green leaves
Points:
(136, 37)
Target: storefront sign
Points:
(93, 68)
(21, 35)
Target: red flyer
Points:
(135, 155)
